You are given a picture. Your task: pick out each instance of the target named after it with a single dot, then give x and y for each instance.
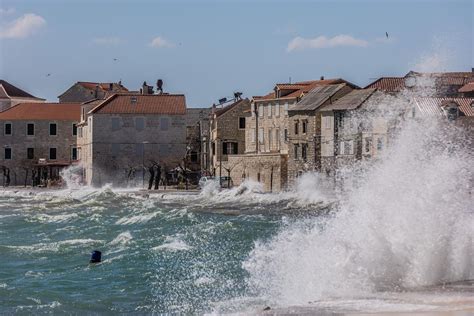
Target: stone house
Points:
(305, 136)
(197, 136)
(121, 137)
(83, 91)
(38, 136)
(227, 134)
(11, 95)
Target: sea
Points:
(394, 237)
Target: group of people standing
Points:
(155, 177)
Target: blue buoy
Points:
(95, 256)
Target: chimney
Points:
(322, 78)
(111, 86)
(472, 69)
(96, 91)
(144, 89)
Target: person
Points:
(152, 176)
(157, 177)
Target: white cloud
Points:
(160, 42)
(7, 11)
(22, 27)
(300, 43)
(109, 41)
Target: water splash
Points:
(407, 224)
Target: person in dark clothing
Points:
(152, 176)
(157, 177)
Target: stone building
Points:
(227, 134)
(304, 121)
(121, 137)
(197, 136)
(11, 95)
(83, 91)
(38, 137)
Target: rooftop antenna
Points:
(159, 86)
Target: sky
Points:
(210, 49)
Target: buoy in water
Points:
(95, 256)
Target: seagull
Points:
(115, 59)
(386, 34)
(48, 75)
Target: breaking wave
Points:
(408, 224)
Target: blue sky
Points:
(209, 49)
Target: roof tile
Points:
(43, 111)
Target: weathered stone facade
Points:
(305, 132)
(227, 136)
(268, 169)
(125, 135)
(197, 135)
(39, 133)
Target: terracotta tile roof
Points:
(468, 87)
(13, 91)
(388, 84)
(219, 112)
(432, 106)
(169, 104)
(43, 111)
(350, 101)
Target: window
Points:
(305, 123)
(252, 136)
(140, 149)
(327, 122)
(53, 129)
(260, 110)
(286, 135)
(73, 153)
(379, 143)
(30, 129)
(115, 123)
(30, 153)
(115, 150)
(277, 138)
(164, 124)
(83, 114)
(90, 124)
(297, 127)
(296, 146)
(346, 147)
(214, 149)
(277, 109)
(79, 132)
(260, 135)
(229, 148)
(74, 129)
(368, 145)
(269, 110)
(194, 156)
(52, 154)
(140, 123)
(7, 153)
(270, 139)
(242, 122)
(304, 149)
(7, 129)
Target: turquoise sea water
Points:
(159, 255)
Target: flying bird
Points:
(386, 34)
(115, 59)
(48, 75)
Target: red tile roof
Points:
(169, 104)
(43, 111)
(432, 106)
(13, 91)
(389, 84)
